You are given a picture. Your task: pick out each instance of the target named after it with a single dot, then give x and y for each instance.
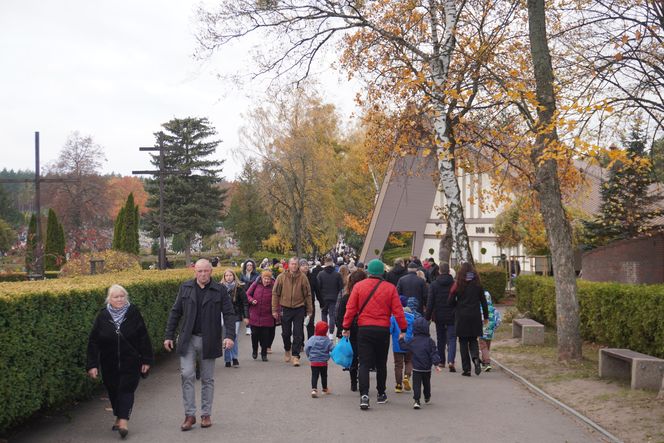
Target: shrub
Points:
(615, 314)
(23, 276)
(44, 329)
(493, 279)
(114, 261)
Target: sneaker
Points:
(478, 366)
(381, 399)
(427, 400)
(466, 373)
(416, 405)
(296, 360)
(406, 382)
(364, 402)
(228, 364)
(487, 367)
(254, 355)
(264, 357)
(314, 393)
(236, 362)
(327, 391)
(398, 389)
(287, 357)
(452, 368)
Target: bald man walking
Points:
(198, 308)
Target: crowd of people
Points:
(372, 306)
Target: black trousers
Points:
(421, 379)
(312, 321)
(469, 349)
(373, 345)
(317, 371)
(292, 323)
(261, 335)
(121, 388)
(273, 332)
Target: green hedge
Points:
(44, 329)
(494, 280)
(23, 276)
(615, 314)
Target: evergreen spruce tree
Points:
(54, 248)
(627, 205)
(192, 202)
(125, 232)
(118, 230)
(31, 243)
(62, 244)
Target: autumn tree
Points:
(194, 200)
(54, 247)
(81, 202)
(117, 190)
(657, 159)
(629, 204)
(247, 216)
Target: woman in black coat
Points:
(467, 295)
(119, 345)
(357, 276)
(442, 313)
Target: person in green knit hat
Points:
(371, 304)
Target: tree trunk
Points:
(547, 185)
(445, 151)
(187, 250)
(445, 247)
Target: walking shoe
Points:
(205, 421)
(189, 421)
(416, 405)
(314, 393)
(381, 399)
(296, 360)
(254, 355)
(287, 357)
(236, 362)
(364, 402)
(406, 382)
(466, 373)
(452, 368)
(228, 364)
(264, 357)
(487, 367)
(327, 391)
(398, 389)
(427, 400)
(478, 366)
(353, 385)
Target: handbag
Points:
(357, 316)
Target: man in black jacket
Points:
(397, 271)
(413, 286)
(330, 285)
(442, 314)
(200, 304)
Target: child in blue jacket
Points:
(425, 355)
(403, 366)
(318, 348)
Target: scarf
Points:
(117, 315)
(229, 287)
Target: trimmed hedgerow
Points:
(494, 280)
(615, 314)
(44, 327)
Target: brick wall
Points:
(639, 260)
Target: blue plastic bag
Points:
(342, 354)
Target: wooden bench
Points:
(530, 331)
(643, 371)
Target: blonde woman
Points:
(119, 349)
(238, 296)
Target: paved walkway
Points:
(270, 402)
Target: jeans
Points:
(421, 379)
(373, 345)
(329, 314)
(469, 349)
(292, 323)
(230, 354)
(188, 374)
(446, 336)
(402, 360)
(317, 371)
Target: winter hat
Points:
(359, 265)
(321, 328)
(413, 265)
(375, 267)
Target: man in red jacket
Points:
(373, 337)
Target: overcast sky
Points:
(116, 71)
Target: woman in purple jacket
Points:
(260, 314)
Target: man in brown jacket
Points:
(292, 294)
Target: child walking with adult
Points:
(425, 355)
(403, 365)
(487, 336)
(467, 296)
(318, 350)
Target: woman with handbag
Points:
(373, 302)
(119, 346)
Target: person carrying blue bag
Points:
(343, 354)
